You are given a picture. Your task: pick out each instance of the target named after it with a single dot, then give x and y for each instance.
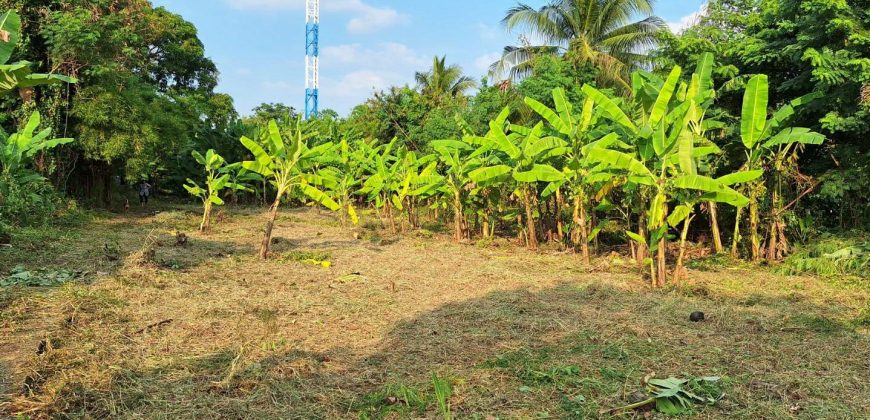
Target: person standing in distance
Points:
(144, 192)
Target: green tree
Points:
(443, 81)
(599, 32)
(522, 161)
(283, 163)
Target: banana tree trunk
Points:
(642, 248)
(206, 217)
(754, 221)
(580, 220)
(735, 239)
(560, 205)
(714, 228)
(457, 217)
(270, 223)
(662, 252)
(530, 221)
(680, 270)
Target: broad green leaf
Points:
(258, 168)
(609, 107)
(260, 155)
(704, 70)
(216, 200)
(10, 22)
(533, 150)
(740, 177)
(276, 143)
(679, 214)
(754, 114)
(795, 135)
(548, 114)
(449, 145)
(619, 160)
(699, 183)
(319, 196)
(489, 172)
(637, 238)
(657, 210)
(397, 202)
(539, 173)
(502, 142)
(563, 107)
(660, 108)
(685, 150)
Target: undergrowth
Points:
(830, 256)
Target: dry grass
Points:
(207, 330)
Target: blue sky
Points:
(259, 45)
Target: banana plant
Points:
(218, 177)
(383, 184)
(523, 160)
(241, 180)
(668, 140)
(769, 143)
(343, 177)
(19, 76)
(582, 177)
(283, 163)
(17, 150)
(419, 182)
(458, 159)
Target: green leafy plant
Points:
(666, 142)
(674, 396)
(283, 164)
(522, 160)
(217, 179)
(19, 75)
(39, 278)
(443, 392)
(772, 146)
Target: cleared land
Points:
(207, 330)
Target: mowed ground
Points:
(210, 331)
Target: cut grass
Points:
(219, 333)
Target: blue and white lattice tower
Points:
(312, 57)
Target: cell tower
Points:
(312, 57)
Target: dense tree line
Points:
(145, 94)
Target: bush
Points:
(831, 256)
(28, 203)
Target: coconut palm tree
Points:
(443, 81)
(597, 32)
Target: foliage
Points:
(285, 165)
(817, 48)
(218, 177)
(443, 392)
(443, 81)
(19, 276)
(593, 32)
(831, 257)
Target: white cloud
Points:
(483, 62)
(688, 20)
(366, 18)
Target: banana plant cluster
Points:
(649, 156)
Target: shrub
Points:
(26, 205)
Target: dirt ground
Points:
(207, 330)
